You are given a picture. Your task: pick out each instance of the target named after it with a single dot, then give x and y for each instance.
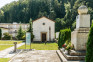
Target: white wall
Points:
(38, 27)
(57, 34)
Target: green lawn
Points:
(9, 42)
(41, 46)
(4, 59)
(2, 47)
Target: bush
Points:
(89, 54)
(64, 35)
(7, 36)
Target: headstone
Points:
(79, 36)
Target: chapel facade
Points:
(43, 29)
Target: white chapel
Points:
(43, 29)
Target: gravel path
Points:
(37, 56)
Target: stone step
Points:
(69, 57)
(62, 58)
(77, 53)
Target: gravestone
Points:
(79, 36)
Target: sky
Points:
(4, 2)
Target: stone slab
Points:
(37, 56)
(62, 58)
(69, 57)
(77, 53)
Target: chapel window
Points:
(43, 23)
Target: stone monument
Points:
(79, 36)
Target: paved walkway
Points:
(37, 56)
(8, 52)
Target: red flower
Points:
(63, 45)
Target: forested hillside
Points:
(62, 11)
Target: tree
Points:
(30, 29)
(0, 33)
(89, 54)
(20, 34)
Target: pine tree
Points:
(30, 29)
(20, 33)
(89, 54)
(0, 33)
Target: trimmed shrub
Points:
(7, 36)
(89, 54)
(64, 35)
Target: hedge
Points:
(89, 53)
(64, 35)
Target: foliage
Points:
(26, 9)
(7, 36)
(64, 35)
(31, 29)
(20, 34)
(0, 33)
(69, 46)
(89, 54)
(63, 10)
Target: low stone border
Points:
(62, 58)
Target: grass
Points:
(9, 42)
(4, 59)
(41, 46)
(2, 47)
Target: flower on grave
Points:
(63, 45)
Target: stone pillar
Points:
(15, 46)
(79, 36)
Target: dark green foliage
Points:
(64, 35)
(65, 10)
(20, 34)
(23, 10)
(7, 36)
(30, 29)
(89, 54)
(0, 33)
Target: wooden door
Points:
(43, 37)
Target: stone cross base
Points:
(79, 38)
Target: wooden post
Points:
(49, 33)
